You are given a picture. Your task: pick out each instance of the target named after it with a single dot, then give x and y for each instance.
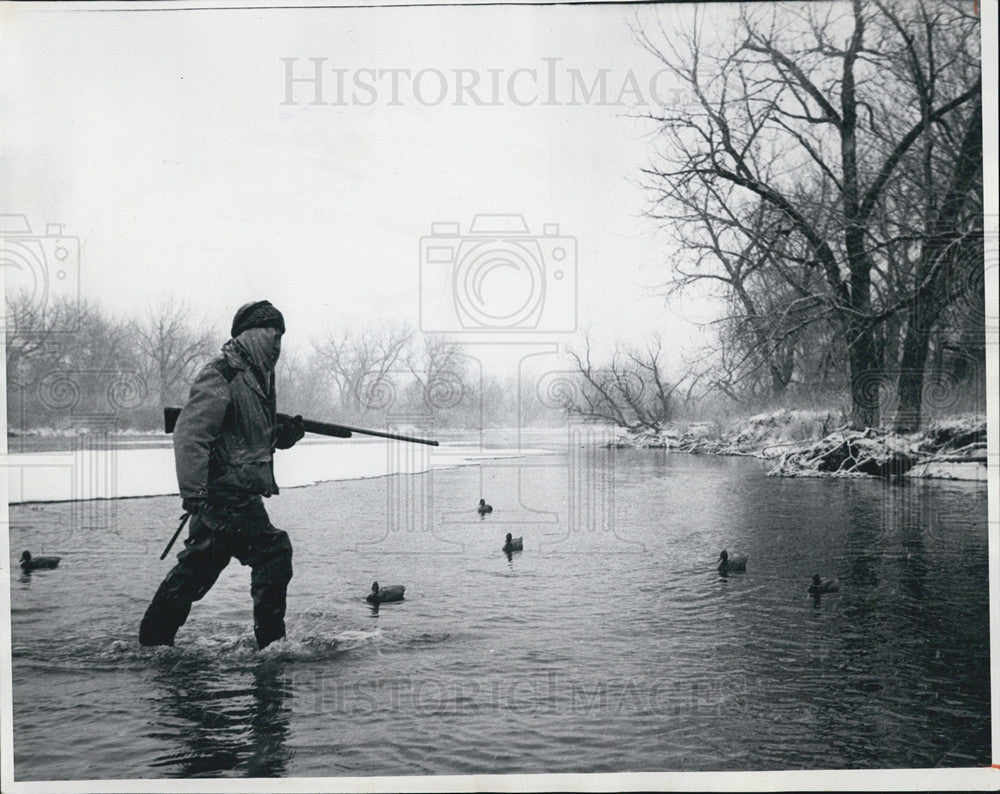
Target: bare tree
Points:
(799, 109)
(630, 390)
(359, 362)
(941, 186)
(497, 399)
(34, 332)
(67, 357)
(171, 347)
(438, 365)
(305, 386)
(770, 294)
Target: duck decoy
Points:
(820, 585)
(29, 563)
(513, 544)
(727, 564)
(484, 508)
(380, 595)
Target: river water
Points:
(611, 643)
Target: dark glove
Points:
(195, 505)
(290, 431)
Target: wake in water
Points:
(222, 647)
(229, 648)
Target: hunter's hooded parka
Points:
(226, 435)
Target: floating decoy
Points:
(379, 595)
(513, 544)
(727, 564)
(484, 508)
(29, 563)
(823, 585)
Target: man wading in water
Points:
(224, 446)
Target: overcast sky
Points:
(173, 145)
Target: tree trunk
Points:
(932, 272)
(911, 374)
(865, 367)
(778, 382)
(865, 374)
(780, 375)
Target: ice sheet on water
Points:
(115, 472)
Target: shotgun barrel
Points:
(320, 428)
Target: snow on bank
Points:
(114, 472)
(810, 443)
(763, 435)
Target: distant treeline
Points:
(70, 364)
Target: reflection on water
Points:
(222, 726)
(611, 646)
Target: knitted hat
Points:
(259, 314)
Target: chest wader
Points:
(234, 523)
(241, 530)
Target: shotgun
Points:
(320, 428)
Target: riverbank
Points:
(818, 443)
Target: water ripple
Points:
(631, 653)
